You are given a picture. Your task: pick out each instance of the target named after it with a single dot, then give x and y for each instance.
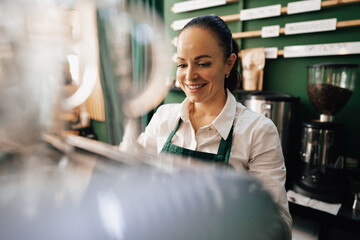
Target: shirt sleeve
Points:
(267, 164)
(148, 139)
(159, 128)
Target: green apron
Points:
(222, 155)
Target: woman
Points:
(207, 72)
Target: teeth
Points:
(196, 86)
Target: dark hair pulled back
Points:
(222, 32)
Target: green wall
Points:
(289, 75)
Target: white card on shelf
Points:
(187, 6)
(303, 6)
(260, 12)
(270, 31)
(311, 26)
(179, 24)
(343, 48)
(271, 52)
(174, 41)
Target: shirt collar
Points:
(225, 119)
(184, 110)
(222, 122)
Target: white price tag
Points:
(174, 41)
(271, 53)
(260, 12)
(311, 26)
(344, 48)
(270, 31)
(179, 24)
(303, 6)
(195, 5)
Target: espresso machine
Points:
(322, 155)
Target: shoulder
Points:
(169, 107)
(163, 119)
(165, 116)
(168, 110)
(247, 118)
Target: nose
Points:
(191, 73)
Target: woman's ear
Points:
(230, 62)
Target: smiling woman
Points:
(202, 69)
(209, 125)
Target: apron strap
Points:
(225, 146)
(173, 131)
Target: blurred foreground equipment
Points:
(100, 199)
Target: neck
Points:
(203, 113)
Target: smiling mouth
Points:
(196, 86)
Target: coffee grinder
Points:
(322, 154)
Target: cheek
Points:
(214, 76)
(211, 75)
(179, 75)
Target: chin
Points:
(193, 99)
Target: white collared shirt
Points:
(256, 146)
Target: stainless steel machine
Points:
(322, 154)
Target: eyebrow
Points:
(197, 58)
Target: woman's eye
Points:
(181, 65)
(204, 64)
